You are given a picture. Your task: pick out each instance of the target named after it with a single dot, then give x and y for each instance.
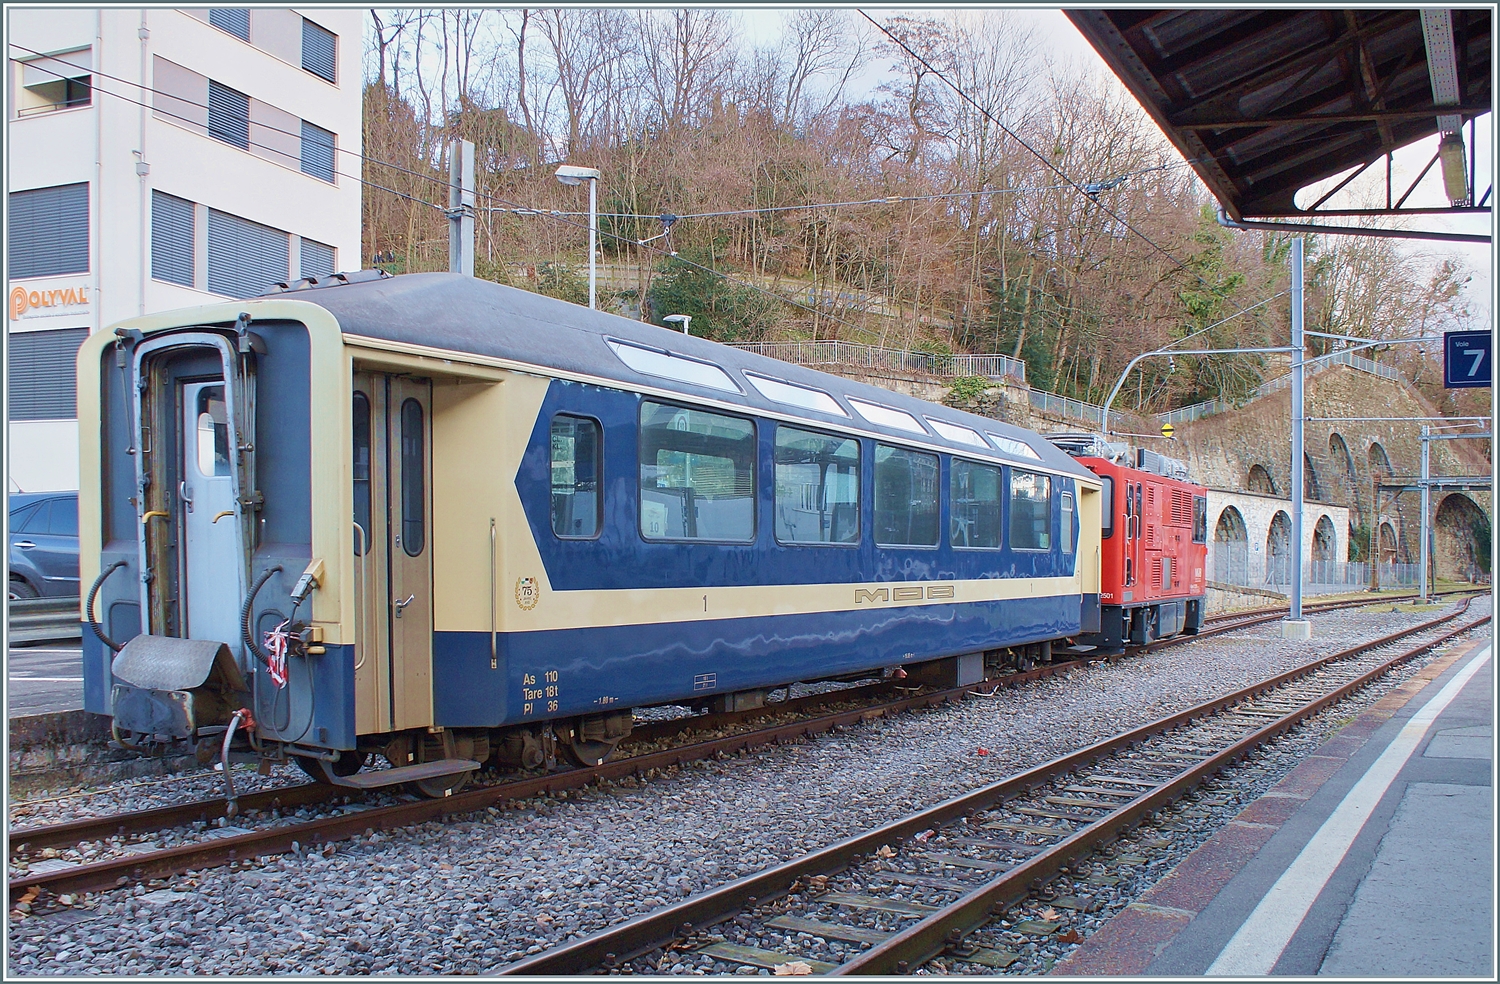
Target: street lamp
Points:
(682, 319)
(568, 174)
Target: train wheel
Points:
(441, 786)
(347, 764)
(433, 748)
(588, 753)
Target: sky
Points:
(762, 26)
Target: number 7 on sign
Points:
(1478, 355)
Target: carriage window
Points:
(413, 478)
(213, 432)
(1200, 519)
(974, 494)
(575, 476)
(1030, 511)
(362, 471)
(697, 475)
(906, 497)
(1066, 533)
(817, 487)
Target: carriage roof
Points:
(467, 315)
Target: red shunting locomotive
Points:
(1153, 542)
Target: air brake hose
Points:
(89, 610)
(245, 635)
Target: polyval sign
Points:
(47, 302)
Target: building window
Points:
(817, 487)
(43, 379)
(317, 259)
(244, 258)
(576, 463)
(697, 475)
(235, 20)
(1030, 511)
(228, 115)
(317, 151)
(319, 51)
(53, 82)
(172, 251)
(49, 231)
(974, 491)
(906, 498)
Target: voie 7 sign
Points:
(1466, 359)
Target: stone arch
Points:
(1312, 489)
(1260, 480)
(1338, 450)
(1461, 534)
(1325, 540)
(1378, 461)
(1390, 544)
(1279, 549)
(1231, 548)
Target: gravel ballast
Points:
(470, 894)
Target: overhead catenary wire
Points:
(252, 143)
(747, 284)
(1093, 198)
(672, 254)
(882, 200)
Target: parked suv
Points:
(43, 544)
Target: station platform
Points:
(1374, 857)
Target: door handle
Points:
(187, 496)
(25, 544)
(400, 605)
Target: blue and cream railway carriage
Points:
(443, 520)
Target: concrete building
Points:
(158, 159)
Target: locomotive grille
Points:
(1182, 508)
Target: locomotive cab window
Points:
(1106, 507)
(697, 475)
(817, 487)
(906, 498)
(974, 495)
(1066, 533)
(1200, 519)
(575, 477)
(1030, 511)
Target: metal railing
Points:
(1066, 406)
(1312, 366)
(860, 356)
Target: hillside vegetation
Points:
(962, 238)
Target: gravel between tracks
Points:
(471, 894)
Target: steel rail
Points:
(933, 934)
(653, 930)
(34, 838)
(114, 872)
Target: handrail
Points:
(362, 636)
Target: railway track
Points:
(220, 845)
(939, 881)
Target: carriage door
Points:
(210, 531)
(393, 522)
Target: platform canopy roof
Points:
(1266, 102)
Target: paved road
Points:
(43, 678)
